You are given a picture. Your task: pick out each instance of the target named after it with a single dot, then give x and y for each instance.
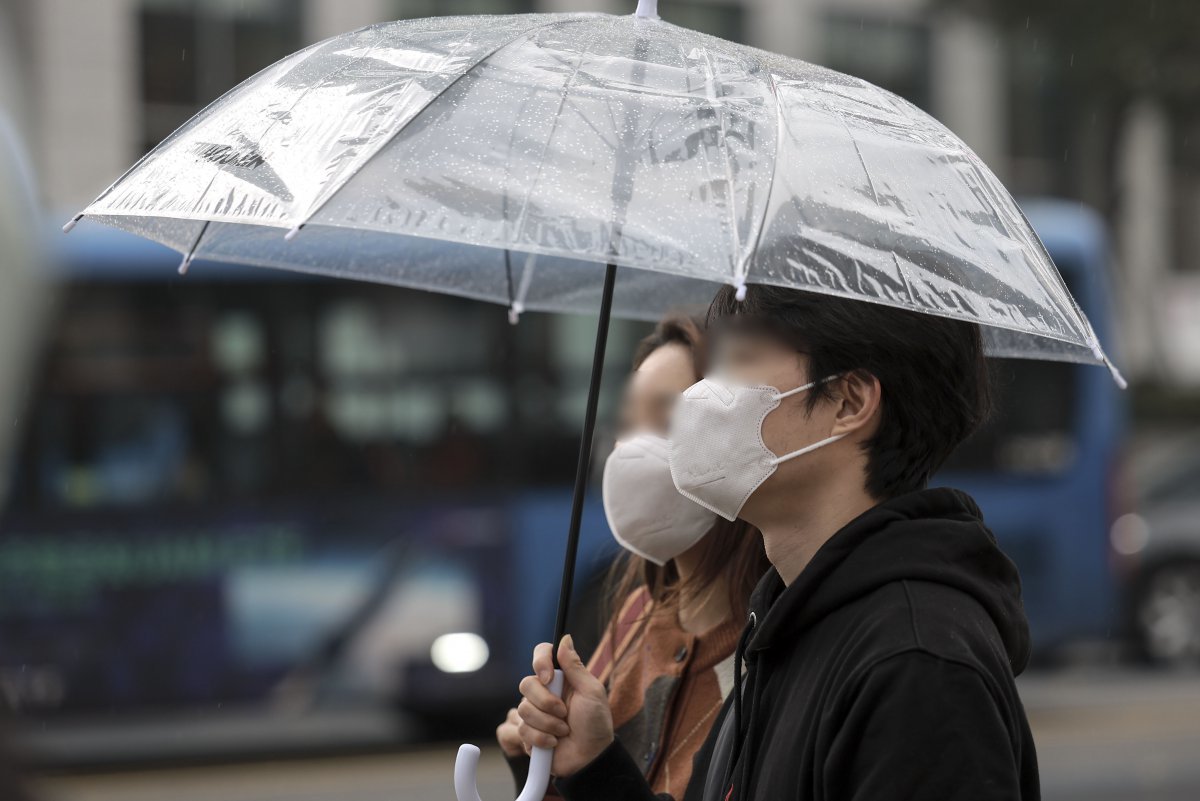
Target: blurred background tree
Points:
(1110, 91)
(1106, 55)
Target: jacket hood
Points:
(933, 535)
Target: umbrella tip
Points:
(185, 264)
(514, 312)
(1102, 357)
(647, 9)
(1116, 374)
(740, 291)
(70, 226)
(290, 235)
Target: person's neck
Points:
(793, 533)
(708, 610)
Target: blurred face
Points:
(760, 360)
(654, 387)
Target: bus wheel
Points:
(1167, 615)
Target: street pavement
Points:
(1113, 735)
(1103, 734)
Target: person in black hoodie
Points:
(879, 657)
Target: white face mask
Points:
(718, 457)
(646, 513)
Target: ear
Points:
(858, 397)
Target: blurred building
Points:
(102, 81)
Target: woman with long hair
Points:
(679, 592)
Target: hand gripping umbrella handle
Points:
(467, 763)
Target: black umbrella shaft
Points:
(585, 457)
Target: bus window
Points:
(113, 418)
(1032, 429)
(152, 393)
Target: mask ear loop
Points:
(815, 445)
(807, 449)
(809, 386)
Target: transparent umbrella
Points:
(524, 159)
(535, 146)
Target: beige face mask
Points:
(646, 513)
(718, 457)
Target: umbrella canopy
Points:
(537, 147)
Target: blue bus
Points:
(254, 489)
(1047, 471)
(250, 487)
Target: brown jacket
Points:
(665, 687)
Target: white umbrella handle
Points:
(467, 764)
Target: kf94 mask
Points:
(718, 457)
(646, 513)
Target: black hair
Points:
(932, 371)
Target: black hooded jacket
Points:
(884, 671)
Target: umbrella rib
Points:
(508, 276)
(731, 202)
(743, 266)
(596, 129)
(191, 253)
(519, 226)
(316, 208)
(874, 196)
